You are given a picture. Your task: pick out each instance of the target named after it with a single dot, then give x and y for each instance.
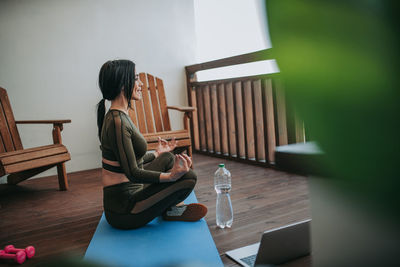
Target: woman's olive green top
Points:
(121, 141)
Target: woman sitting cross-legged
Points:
(138, 185)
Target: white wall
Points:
(51, 53)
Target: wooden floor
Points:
(61, 224)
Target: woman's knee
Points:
(190, 175)
(168, 159)
(123, 221)
(167, 155)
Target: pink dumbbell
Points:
(19, 257)
(30, 250)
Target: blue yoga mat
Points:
(159, 243)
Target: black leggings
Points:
(154, 199)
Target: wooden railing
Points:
(242, 118)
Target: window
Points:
(226, 28)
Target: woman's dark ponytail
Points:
(114, 76)
(101, 111)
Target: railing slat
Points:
(249, 120)
(215, 120)
(222, 119)
(294, 126)
(259, 121)
(195, 120)
(280, 114)
(269, 118)
(291, 125)
(299, 128)
(231, 120)
(239, 119)
(208, 119)
(202, 127)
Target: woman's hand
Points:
(164, 146)
(178, 170)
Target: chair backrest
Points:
(150, 114)
(9, 136)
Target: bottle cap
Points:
(221, 165)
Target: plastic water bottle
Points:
(222, 185)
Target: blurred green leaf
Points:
(339, 63)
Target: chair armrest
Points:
(43, 122)
(187, 116)
(184, 109)
(56, 123)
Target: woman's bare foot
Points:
(180, 204)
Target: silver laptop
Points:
(277, 246)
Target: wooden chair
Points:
(22, 163)
(150, 115)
